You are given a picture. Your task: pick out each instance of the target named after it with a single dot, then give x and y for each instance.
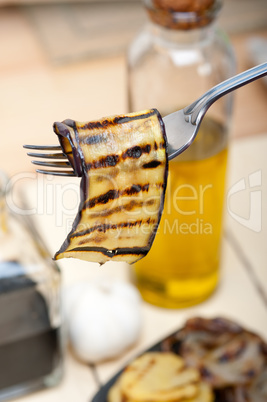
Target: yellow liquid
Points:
(182, 267)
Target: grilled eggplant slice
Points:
(226, 354)
(123, 164)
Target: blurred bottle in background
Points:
(178, 56)
(30, 318)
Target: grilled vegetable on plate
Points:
(230, 360)
(157, 376)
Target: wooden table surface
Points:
(35, 93)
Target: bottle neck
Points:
(182, 38)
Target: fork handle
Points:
(196, 111)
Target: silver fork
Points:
(181, 126)
(55, 160)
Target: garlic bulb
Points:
(103, 318)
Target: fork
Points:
(181, 126)
(55, 160)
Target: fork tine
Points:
(57, 172)
(43, 147)
(57, 155)
(63, 163)
(53, 164)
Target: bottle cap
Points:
(182, 14)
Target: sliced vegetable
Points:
(226, 354)
(123, 164)
(159, 377)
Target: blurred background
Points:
(67, 60)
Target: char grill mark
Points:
(136, 251)
(114, 194)
(151, 165)
(112, 160)
(95, 125)
(103, 198)
(135, 189)
(136, 151)
(126, 207)
(96, 239)
(94, 139)
(103, 227)
(107, 161)
(126, 119)
(114, 121)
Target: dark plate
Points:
(101, 395)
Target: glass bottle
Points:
(30, 318)
(178, 56)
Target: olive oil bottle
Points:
(182, 267)
(178, 56)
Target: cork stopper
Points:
(182, 14)
(184, 6)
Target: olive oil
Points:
(182, 267)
